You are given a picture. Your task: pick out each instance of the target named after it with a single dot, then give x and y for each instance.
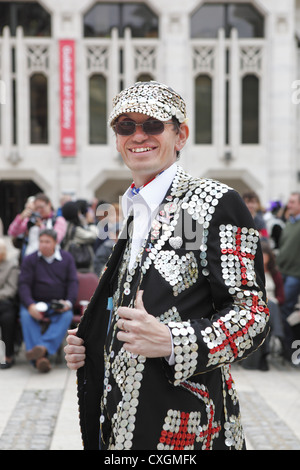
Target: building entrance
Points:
(13, 195)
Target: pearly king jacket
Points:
(202, 275)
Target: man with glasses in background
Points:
(181, 298)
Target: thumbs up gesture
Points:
(141, 332)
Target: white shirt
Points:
(145, 205)
(56, 255)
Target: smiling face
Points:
(148, 155)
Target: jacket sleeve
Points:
(85, 236)
(279, 287)
(9, 288)
(60, 228)
(232, 263)
(72, 282)
(18, 226)
(26, 280)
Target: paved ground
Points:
(270, 406)
(39, 411)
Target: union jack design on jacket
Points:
(202, 275)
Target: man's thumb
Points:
(139, 299)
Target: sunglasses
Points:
(151, 127)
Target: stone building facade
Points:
(61, 63)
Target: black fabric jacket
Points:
(202, 275)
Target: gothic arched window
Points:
(203, 109)
(38, 109)
(102, 17)
(210, 17)
(97, 109)
(34, 19)
(250, 109)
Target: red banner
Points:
(67, 98)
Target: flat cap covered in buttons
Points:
(153, 99)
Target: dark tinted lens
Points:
(125, 127)
(153, 127)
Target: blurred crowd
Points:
(54, 245)
(76, 222)
(39, 287)
(279, 230)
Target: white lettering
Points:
(67, 87)
(296, 94)
(115, 460)
(172, 459)
(296, 354)
(2, 92)
(2, 352)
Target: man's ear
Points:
(117, 143)
(183, 135)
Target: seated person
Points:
(9, 273)
(47, 274)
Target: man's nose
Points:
(139, 131)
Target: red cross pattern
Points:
(240, 254)
(211, 429)
(181, 439)
(230, 338)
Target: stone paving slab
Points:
(270, 406)
(263, 428)
(33, 420)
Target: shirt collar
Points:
(56, 256)
(294, 219)
(153, 193)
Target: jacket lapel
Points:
(102, 290)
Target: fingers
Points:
(75, 365)
(75, 356)
(121, 324)
(74, 351)
(125, 313)
(73, 339)
(74, 346)
(131, 318)
(73, 332)
(126, 317)
(130, 313)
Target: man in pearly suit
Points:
(181, 298)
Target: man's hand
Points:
(75, 351)
(66, 306)
(35, 313)
(141, 332)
